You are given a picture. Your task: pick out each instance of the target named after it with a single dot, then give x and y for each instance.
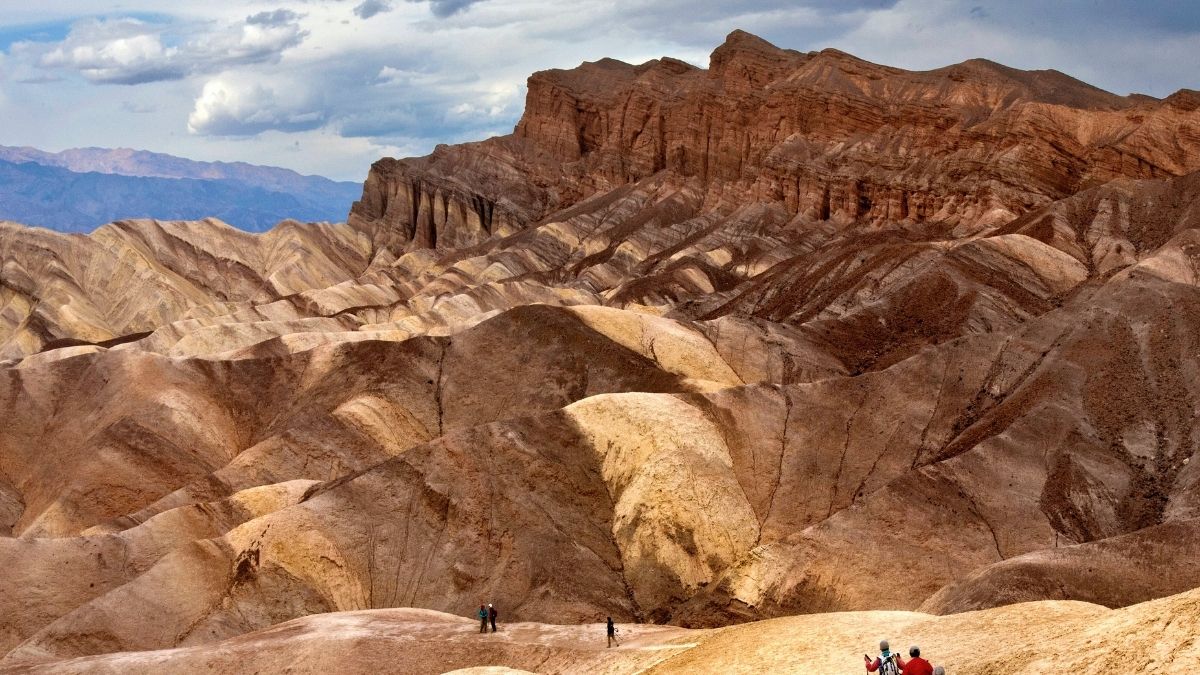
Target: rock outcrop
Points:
(822, 134)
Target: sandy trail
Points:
(1162, 636)
(399, 640)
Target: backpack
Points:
(888, 665)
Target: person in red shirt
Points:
(916, 665)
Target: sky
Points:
(328, 86)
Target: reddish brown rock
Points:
(823, 134)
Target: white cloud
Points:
(499, 101)
(256, 42)
(132, 51)
(227, 107)
(124, 51)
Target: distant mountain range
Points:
(77, 190)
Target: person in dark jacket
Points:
(492, 615)
(916, 665)
(612, 633)
(483, 617)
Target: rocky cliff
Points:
(823, 134)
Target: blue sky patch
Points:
(57, 31)
(46, 31)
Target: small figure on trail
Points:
(483, 617)
(492, 615)
(612, 633)
(915, 664)
(887, 663)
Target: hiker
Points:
(492, 615)
(915, 664)
(612, 633)
(887, 663)
(483, 617)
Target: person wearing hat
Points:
(915, 664)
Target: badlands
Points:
(767, 361)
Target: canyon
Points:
(783, 355)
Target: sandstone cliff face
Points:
(407, 209)
(796, 333)
(822, 134)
